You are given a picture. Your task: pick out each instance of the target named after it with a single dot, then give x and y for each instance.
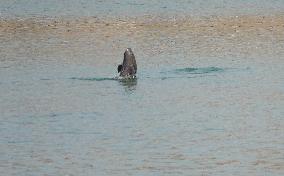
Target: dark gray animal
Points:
(128, 68)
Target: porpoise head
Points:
(128, 68)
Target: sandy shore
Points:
(112, 26)
(235, 36)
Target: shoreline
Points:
(85, 23)
(239, 37)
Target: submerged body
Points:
(128, 68)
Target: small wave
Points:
(177, 73)
(203, 70)
(94, 79)
(190, 72)
(106, 78)
(135, 4)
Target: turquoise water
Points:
(74, 120)
(200, 105)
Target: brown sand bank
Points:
(114, 26)
(238, 36)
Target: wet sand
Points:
(236, 36)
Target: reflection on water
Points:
(129, 84)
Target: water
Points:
(136, 7)
(208, 98)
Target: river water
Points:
(208, 98)
(137, 7)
